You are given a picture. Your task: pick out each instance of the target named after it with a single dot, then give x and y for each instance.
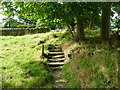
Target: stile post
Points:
(43, 50)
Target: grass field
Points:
(94, 65)
(22, 64)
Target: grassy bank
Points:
(97, 71)
(22, 64)
(93, 64)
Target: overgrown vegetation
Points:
(93, 64)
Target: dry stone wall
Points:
(21, 31)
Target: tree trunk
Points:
(105, 23)
(80, 30)
(91, 23)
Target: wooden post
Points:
(43, 50)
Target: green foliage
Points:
(52, 13)
(24, 26)
(27, 21)
(1, 26)
(10, 22)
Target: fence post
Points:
(42, 50)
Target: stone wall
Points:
(21, 31)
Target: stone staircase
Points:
(56, 57)
(55, 62)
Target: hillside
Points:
(93, 64)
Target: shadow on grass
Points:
(93, 40)
(34, 75)
(37, 71)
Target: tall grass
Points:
(22, 64)
(23, 67)
(94, 65)
(98, 71)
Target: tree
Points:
(105, 21)
(86, 11)
(117, 18)
(80, 29)
(69, 14)
(10, 22)
(27, 21)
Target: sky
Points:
(114, 15)
(1, 17)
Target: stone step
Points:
(58, 59)
(61, 81)
(56, 68)
(55, 63)
(56, 56)
(56, 53)
(55, 50)
(56, 47)
(53, 46)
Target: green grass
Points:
(22, 63)
(99, 70)
(23, 66)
